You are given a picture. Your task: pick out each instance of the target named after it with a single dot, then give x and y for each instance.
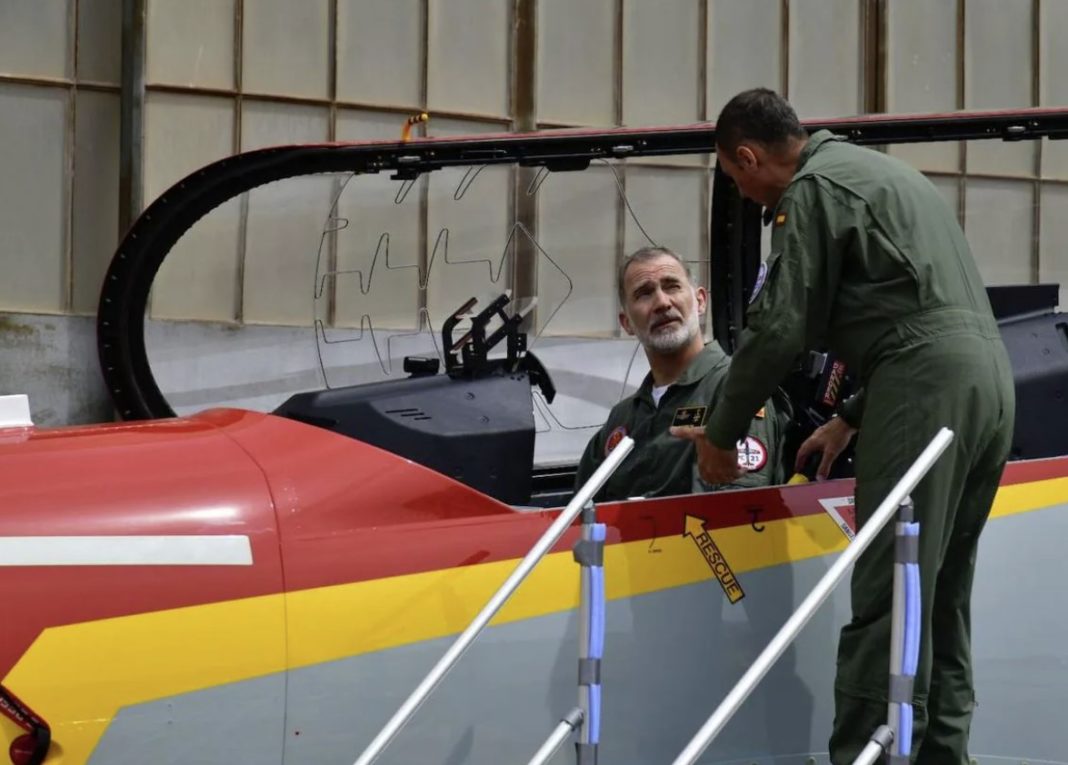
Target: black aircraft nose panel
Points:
(1038, 350)
(479, 431)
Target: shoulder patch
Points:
(752, 454)
(689, 415)
(762, 276)
(614, 438)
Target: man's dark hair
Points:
(644, 255)
(759, 115)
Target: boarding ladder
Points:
(892, 739)
(587, 552)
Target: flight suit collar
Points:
(815, 142)
(710, 357)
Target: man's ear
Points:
(746, 158)
(624, 322)
(701, 296)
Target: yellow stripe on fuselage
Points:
(416, 607)
(1023, 497)
(78, 676)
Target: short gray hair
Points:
(644, 255)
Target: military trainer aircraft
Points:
(241, 586)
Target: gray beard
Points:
(675, 340)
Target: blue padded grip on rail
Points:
(597, 628)
(910, 656)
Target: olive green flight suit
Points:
(868, 260)
(662, 465)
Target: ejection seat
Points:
(474, 423)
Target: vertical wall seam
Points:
(784, 48)
(424, 183)
(962, 151)
(1036, 100)
(236, 143)
(67, 300)
(331, 127)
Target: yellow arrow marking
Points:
(695, 529)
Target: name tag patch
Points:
(689, 415)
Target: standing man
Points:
(867, 259)
(661, 307)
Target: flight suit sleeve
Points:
(789, 310)
(852, 409)
(759, 452)
(591, 459)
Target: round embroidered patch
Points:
(752, 454)
(762, 276)
(614, 438)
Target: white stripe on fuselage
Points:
(207, 550)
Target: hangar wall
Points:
(224, 76)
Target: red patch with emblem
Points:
(834, 382)
(614, 438)
(752, 454)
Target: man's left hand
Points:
(716, 466)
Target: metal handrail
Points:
(463, 642)
(586, 717)
(789, 631)
(877, 746)
(568, 725)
